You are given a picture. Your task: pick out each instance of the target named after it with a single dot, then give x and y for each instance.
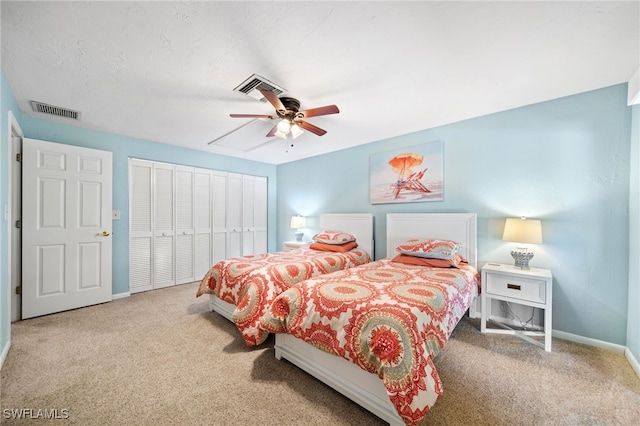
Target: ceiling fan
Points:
(290, 117)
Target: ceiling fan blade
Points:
(251, 116)
(310, 127)
(273, 131)
(325, 110)
(273, 99)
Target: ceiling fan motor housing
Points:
(291, 108)
(291, 104)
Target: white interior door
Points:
(66, 227)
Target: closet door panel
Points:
(203, 215)
(219, 247)
(248, 215)
(184, 210)
(164, 231)
(260, 215)
(234, 215)
(140, 226)
(185, 258)
(219, 225)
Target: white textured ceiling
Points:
(165, 71)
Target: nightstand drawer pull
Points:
(513, 286)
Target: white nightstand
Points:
(292, 245)
(529, 287)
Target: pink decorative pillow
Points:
(433, 263)
(338, 248)
(333, 237)
(432, 249)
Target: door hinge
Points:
(19, 290)
(18, 224)
(19, 157)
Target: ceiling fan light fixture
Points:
(281, 134)
(284, 126)
(296, 131)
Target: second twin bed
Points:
(371, 331)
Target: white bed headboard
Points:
(358, 224)
(459, 227)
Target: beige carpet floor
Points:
(161, 358)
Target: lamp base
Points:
(299, 235)
(522, 256)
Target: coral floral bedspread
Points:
(388, 318)
(252, 282)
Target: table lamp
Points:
(523, 231)
(298, 222)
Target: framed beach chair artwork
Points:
(407, 175)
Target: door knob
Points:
(105, 233)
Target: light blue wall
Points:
(633, 320)
(564, 161)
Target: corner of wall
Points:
(633, 361)
(633, 87)
(5, 352)
(633, 314)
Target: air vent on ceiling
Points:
(54, 110)
(252, 86)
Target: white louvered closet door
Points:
(185, 243)
(254, 215)
(183, 220)
(248, 215)
(234, 215)
(140, 225)
(260, 220)
(203, 214)
(219, 225)
(164, 230)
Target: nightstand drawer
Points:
(519, 288)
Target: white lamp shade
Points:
(284, 126)
(521, 230)
(296, 131)
(298, 222)
(281, 134)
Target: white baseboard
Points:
(633, 361)
(588, 341)
(5, 352)
(120, 295)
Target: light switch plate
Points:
(115, 215)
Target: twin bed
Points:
(371, 331)
(241, 289)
